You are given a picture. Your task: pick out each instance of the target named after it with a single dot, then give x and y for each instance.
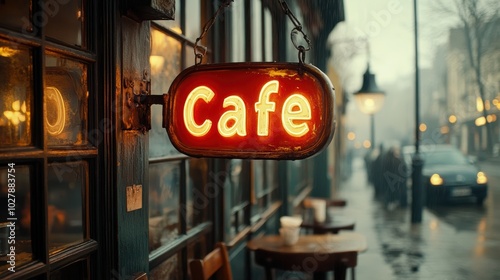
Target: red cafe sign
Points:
(250, 110)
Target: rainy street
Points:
(455, 241)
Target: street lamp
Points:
(370, 100)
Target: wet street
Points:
(459, 240)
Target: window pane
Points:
(22, 211)
(169, 269)
(67, 182)
(16, 93)
(256, 22)
(66, 101)
(15, 13)
(193, 25)
(237, 32)
(165, 66)
(174, 25)
(199, 192)
(69, 15)
(268, 36)
(164, 185)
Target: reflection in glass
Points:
(22, 211)
(199, 192)
(67, 97)
(164, 185)
(68, 14)
(16, 94)
(256, 22)
(168, 269)
(15, 13)
(65, 204)
(193, 24)
(237, 42)
(174, 25)
(165, 66)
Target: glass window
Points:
(164, 185)
(45, 103)
(165, 66)
(256, 15)
(193, 24)
(268, 35)
(67, 181)
(16, 91)
(237, 42)
(15, 13)
(169, 269)
(174, 25)
(55, 14)
(66, 95)
(199, 192)
(19, 176)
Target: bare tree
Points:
(480, 23)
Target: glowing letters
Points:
(296, 108)
(257, 110)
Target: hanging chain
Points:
(297, 29)
(200, 51)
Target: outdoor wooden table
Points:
(333, 222)
(316, 254)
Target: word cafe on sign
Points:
(250, 110)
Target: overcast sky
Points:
(388, 25)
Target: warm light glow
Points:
(238, 116)
(481, 178)
(156, 62)
(351, 135)
(264, 106)
(8, 52)
(452, 119)
(54, 95)
(479, 104)
(436, 180)
(367, 144)
(445, 130)
(16, 116)
(295, 108)
(357, 145)
(206, 94)
(434, 224)
(422, 127)
(369, 103)
(482, 121)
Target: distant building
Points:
(465, 119)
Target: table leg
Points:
(320, 276)
(340, 273)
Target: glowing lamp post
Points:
(370, 100)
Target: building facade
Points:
(99, 195)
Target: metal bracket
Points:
(136, 114)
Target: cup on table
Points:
(290, 235)
(319, 206)
(290, 229)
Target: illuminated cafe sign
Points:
(250, 110)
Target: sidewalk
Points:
(397, 249)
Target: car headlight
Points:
(436, 180)
(481, 178)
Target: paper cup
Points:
(319, 207)
(289, 221)
(290, 235)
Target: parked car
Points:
(448, 174)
